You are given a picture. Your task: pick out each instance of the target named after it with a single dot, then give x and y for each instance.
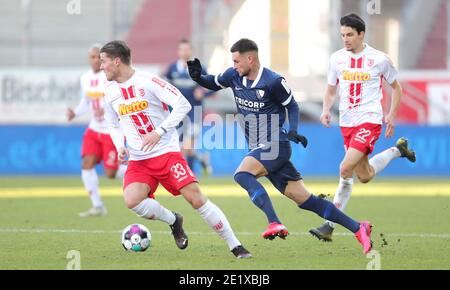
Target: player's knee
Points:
(346, 170)
(111, 174)
(88, 163)
(195, 197)
(131, 202)
(243, 179)
(364, 179)
(197, 203)
(238, 177)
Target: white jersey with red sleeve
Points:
(140, 105)
(92, 93)
(360, 77)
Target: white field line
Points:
(77, 231)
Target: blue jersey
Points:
(261, 104)
(178, 76)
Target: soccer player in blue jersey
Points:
(264, 100)
(178, 75)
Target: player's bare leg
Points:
(353, 158)
(365, 170)
(136, 199)
(246, 176)
(297, 192)
(214, 217)
(381, 160)
(91, 184)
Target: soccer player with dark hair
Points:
(263, 99)
(136, 110)
(356, 73)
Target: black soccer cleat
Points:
(323, 232)
(181, 239)
(402, 146)
(241, 253)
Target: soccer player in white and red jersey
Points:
(358, 71)
(97, 144)
(137, 111)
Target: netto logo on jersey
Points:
(356, 76)
(133, 108)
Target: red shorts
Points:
(102, 146)
(170, 169)
(362, 137)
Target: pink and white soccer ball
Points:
(136, 238)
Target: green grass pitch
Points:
(37, 231)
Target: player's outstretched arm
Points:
(206, 81)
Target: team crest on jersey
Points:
(141, 92)
(370, 62)
(260, 94)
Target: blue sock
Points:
(258, 194)
(328, 211)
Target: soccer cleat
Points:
(363, 236)
(94, 211)
(402, 146)
(274, 230)
(180, 237)
(323, 233)
(241, 253)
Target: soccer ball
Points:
(136, 238)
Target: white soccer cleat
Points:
(94, 211)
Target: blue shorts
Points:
(277, 163)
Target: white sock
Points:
(121, 171)
(381, 160)
(342, 195)
(153, 210)
(216, 219)
(90, 181)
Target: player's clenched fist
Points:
(150, 140)
(325, 119)
(195, 69)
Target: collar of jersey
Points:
(255, 82)
(361, 52)
(125, 84)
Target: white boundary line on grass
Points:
(77, 231)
